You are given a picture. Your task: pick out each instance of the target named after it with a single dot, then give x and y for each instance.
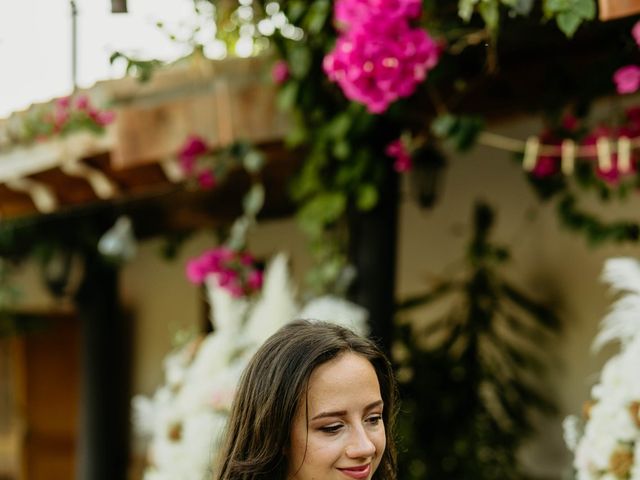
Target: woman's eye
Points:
(374, 419)
(331, 428)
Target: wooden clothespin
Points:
(624, 154)
(603, 148)
(531, 148)
(568, 156)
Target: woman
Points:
(315, 402)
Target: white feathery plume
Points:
(276, 306)
(622, 323)
(226, 312)
(330, 308)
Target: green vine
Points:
(596, 231)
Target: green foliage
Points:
(471, 376)
(142, 69)
(570, 14)
(596, 231)
(489, 10)
(461, 131)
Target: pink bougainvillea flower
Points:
(380, 61)
(570, 122)
(193, 147)
(82, 102)
(104, 118)
(280, 72)
(254, 280)
(546, 166)
(235, 289)
(190, 151)
(349, 13)
(627, 79)
(63, 102)
(635, 31)
(195, 270)
(398, 151)
(229, 268)
(227, 277)
(60, 117)
(206, 180)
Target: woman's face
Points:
(340, 435)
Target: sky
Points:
(35, 44)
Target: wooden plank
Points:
(611, 9)
(51, 377)
(146, 134)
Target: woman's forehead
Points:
(348, 380)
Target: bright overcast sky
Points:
(35, 44)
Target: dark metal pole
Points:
(103, 446)
(74, 44)
(373, 244)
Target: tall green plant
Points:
(470, 376)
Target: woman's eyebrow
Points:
(340, 413)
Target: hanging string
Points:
(568, 151)
(514, 145)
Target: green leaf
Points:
(461, 131)
(341, 150)
(339, 126)
(570, 14)
(490, 14)
(465, 9)
(316, 18)
(321, 210)
(443, 125)
(568, 23)
(253, 161)
(585, 9)
(367, 197)
(288, 95)
(299, 60)
(296, 9)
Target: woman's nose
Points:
(360, 445)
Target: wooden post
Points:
(103, 438)
(373, 244)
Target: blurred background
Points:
(460, 171)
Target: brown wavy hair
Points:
(273, 385)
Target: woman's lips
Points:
(359, 472)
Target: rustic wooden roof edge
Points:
(223, 102)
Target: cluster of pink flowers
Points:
(550, 165)
(379, 56)
(71, 113)
(350, 13)
(234, 271)
(398, 151)
(627, 78)
(193, 149)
